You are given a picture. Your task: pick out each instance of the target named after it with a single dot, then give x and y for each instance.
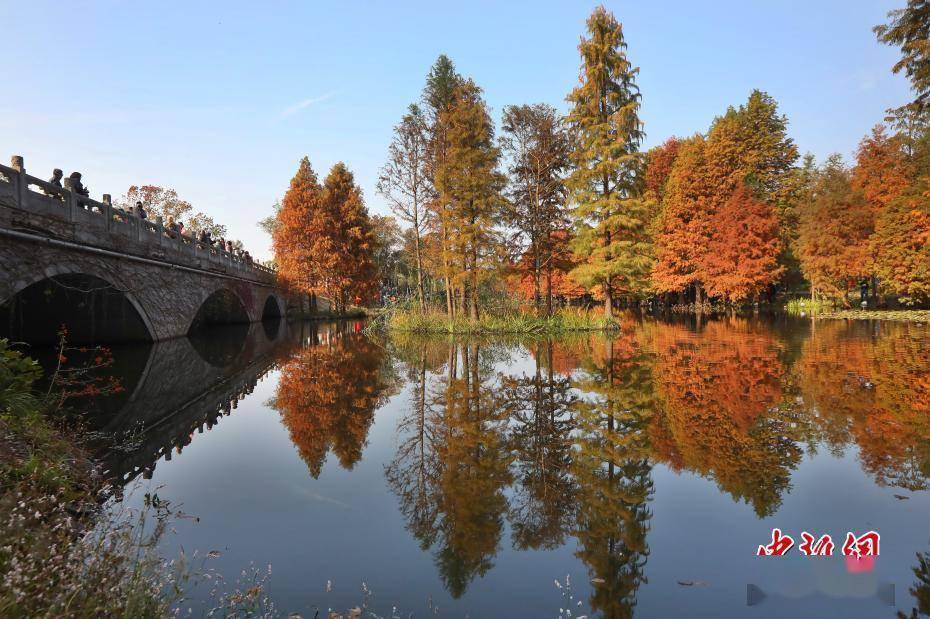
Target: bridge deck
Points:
(31, 205)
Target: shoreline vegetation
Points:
(827, 311)
(67, 548)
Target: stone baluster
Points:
(22, 185)
(70, 200)
(108, 210)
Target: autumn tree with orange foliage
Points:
(469, 184)
(355, 279)
(746, 144)
(683, 229)
(883, 171)
(323, 241)
(900, 246)
(659, 161)
(742, 257)
(834, 231)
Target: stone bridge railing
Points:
(37, 207)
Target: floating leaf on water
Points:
(598, 581)
(901, 497)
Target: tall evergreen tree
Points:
(469, 184)
(438, 98)
(610, 214)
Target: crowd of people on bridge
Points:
(173, 229)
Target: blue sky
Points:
(221, 102)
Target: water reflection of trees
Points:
(328, 393)
(451, 469)
(724, 414)
(612, 470)
(539, 410)
(574, 465)
(869, 385)
(561, 441)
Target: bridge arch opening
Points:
(92, 309)
(272, 308)
(223, 307)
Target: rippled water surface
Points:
(462, 478)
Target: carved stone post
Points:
(22, 185)
(108, 210)
(70, 201)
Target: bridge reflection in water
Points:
(184, 386)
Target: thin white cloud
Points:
(305, 104)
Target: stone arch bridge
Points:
(139, 280)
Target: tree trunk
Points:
(549, 292)
(450, 300)
(608, 300)
(537, 286)
(416, 243)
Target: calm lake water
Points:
(462, 478)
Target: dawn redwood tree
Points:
(751, 143)
(900, 246)
(537, 145)
(469, 183)
(354, 276)
(304, 252)
(833, 237)
(746, 144)
(438, 97)
(558, 281)
(659, 161)
(611, 214)
(883, 169)
(684, 226)
(742, 257)
(405, 182)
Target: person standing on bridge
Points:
(77, 186)
(140, 210)
(55, 181)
